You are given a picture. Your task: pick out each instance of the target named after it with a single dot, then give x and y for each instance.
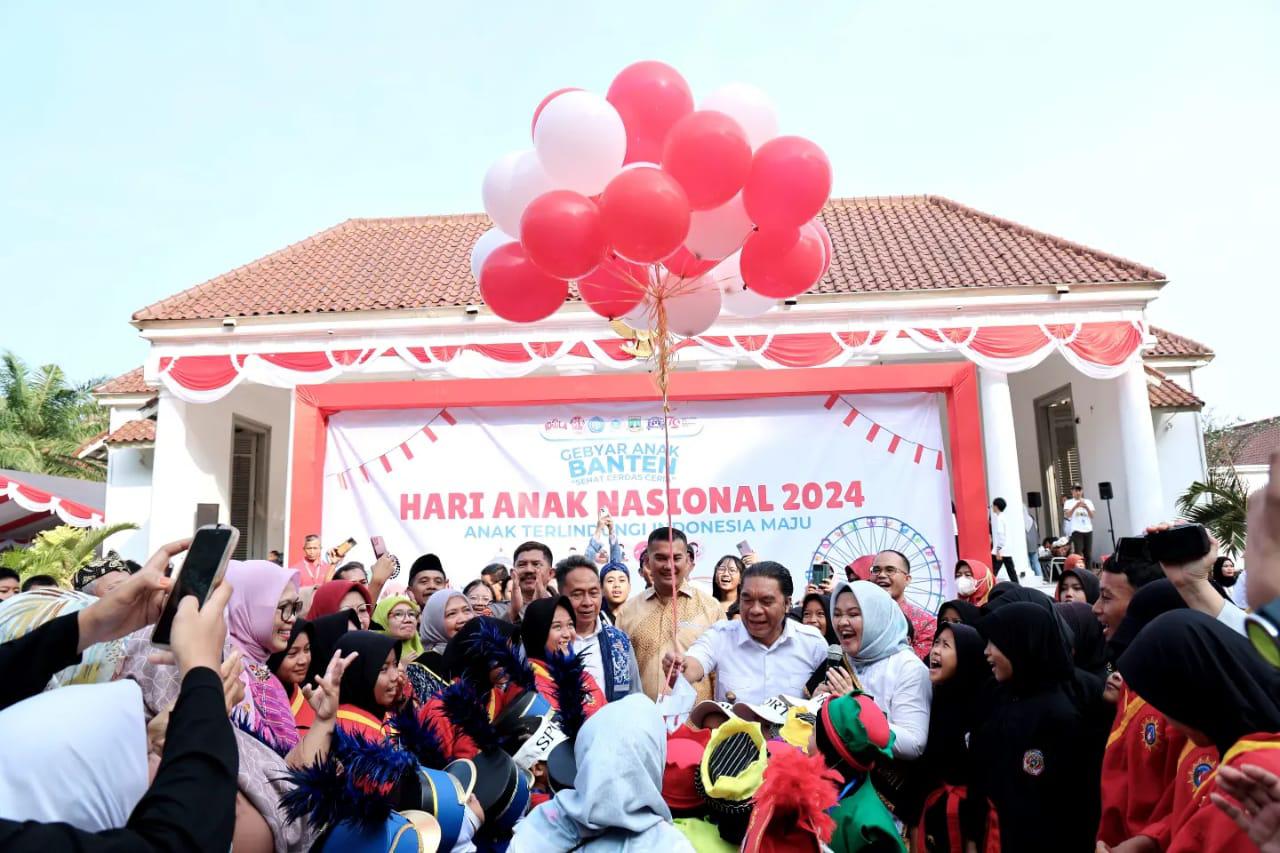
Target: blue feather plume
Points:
(240, 719)
(497, 651)
(419, 737)
(355, 783)
(569, 675)
(465, 711)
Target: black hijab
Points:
(1031, 638)
(458, 659)
(1007, 592)
(1088, 648)
(970, 614)
(536, 625)
(300, 626)
(1151, 600)
(1088, 580)
(361, 676)
(325, 633)
(1195, 670)
(825, 601)
(1219, 581)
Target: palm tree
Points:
(44, 419)
(60, 551)
(1219, 504)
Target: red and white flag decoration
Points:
(386, 462)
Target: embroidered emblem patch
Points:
(1199, 771)
(1150, 732)
(1033, 762)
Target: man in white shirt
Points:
(763, 655)
(1000, 544)
(1078, 511)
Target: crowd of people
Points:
(549, 706)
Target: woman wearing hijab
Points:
(962, 684)
(333, 596)
(1088, 647)
(1027, 757)
(546, 630)
(872, 631)
(371, 685)
(264, 605)
(1210, 684)
(1077, 584)
(1225, 578)
(815, 611)
(291, 667)
(961, 612)
(616, 803)
(974, 581)
(443, 616)
(398, 617)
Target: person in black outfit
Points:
(1026, 753)
(191, 804)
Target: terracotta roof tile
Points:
(907, 243)
(1164, 393)
(1169, 345)
(125, 383)
(1258, 440)
(141, 431)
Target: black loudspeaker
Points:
(1104, 491)
(1033, 500)
(206, 514)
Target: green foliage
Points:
(1219, 504)
(44, 419)
(60, 551)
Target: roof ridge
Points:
(1257, 423)
(1160, 330)
(1045, 236)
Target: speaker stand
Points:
(1111, 526)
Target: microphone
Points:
(835, 655)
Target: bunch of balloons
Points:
(645, 201)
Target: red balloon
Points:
(651, 97)
(789, 183)
(685, 264)
(708, 153)
(562, 233)
(614, 288)
(827, 246)
(516, 290)
(645, 214)
(543, 105)
(781, 263)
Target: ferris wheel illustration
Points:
(856, 542)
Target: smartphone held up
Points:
(201, 571)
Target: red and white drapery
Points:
(37, 500)
(1098, 350)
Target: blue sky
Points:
(145, 147)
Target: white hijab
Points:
(75, 755)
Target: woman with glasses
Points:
(727, 580)
(343, 595)
(443, 616)
(480, 594)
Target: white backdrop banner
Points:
(800, 479)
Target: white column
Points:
(1141, 490)
(192, 464)
(1001, 449)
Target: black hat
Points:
(427, 562)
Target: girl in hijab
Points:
(291, 667)
(334, 596)
(872, 632)
(974, 581)
(546, 630)
(398, 617)
(264, 605)
(371, 685)
(962, 685)
(1026, 752)
(1078, 584)
(443, 615)
(616, 803)
(1088, 647)
(1225, 578)
(961, 612)
(814, 612)
(1212, 686)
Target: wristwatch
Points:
(1263, 630)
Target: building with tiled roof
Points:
(230, 410)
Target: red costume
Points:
(595, 699)
(1201, 826)
(359, 721)
(1195, 763)
(1138, 767)
(303, 714)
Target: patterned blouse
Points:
(923, 626)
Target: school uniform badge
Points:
(1150, 732)
(1200, 771)
(1033, 762)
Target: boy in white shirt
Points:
(1079, 514)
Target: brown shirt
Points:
(647, 620)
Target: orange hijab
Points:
(983, 578)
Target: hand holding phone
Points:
(203, 569)
(744, 548)
(379, 547)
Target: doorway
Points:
(1059, 452)
(249, 475)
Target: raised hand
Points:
(134, 604)
(323, 698)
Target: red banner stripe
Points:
(939, 460)
(426, 430)
(873, 432)
(448, 418)
(364, 473)
(894, 442)
(408, 454)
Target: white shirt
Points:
(589, 648)
(1079, 521)
(999, 534)
(900, 686)
(752, 672)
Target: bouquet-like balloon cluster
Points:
(654, 208)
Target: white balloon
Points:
(581, 141)
(512, 182)
(718, 232)
(489, 240)
(641, 318)
(749, 107)
(747, 303)
(695, 309)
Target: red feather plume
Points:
(800, 785)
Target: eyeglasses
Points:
(882, 570)
(403, 614)
(360, 608)
(290, 610)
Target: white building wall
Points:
(1181, 454)
(193, 459)
(129, 500)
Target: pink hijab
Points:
(255, 591)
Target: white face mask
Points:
(966, 585)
